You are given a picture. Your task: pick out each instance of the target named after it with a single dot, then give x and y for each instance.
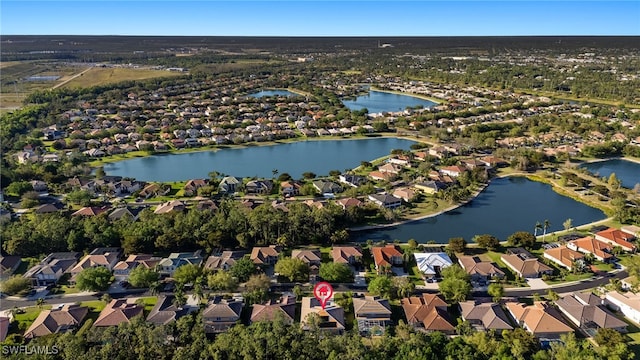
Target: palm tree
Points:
(536, 228)
(40, 302)
(274, 172)
(545, 227)
(155, 287)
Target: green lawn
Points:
(94, 305)
(25, 319)
(571, 277)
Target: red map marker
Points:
(323, 292)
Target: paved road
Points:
(6, 304)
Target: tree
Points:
(100, 173)
(496, 291)
(293, 268)
(187, 274)
(536, 228)
(567, 224)
(30, 199)
(403, 286)
(308, 175)
(142, 277)
(222, 281)
(552, 295)
(456, 283)
(487, 241)
(381, 285)
(457, 244)
(15, 285)
(413, 244)
(258, 282)
(336, 272)
(613, 181)
(522, 238)
(544, 228)
(18, 188)
(612, 345)
(94, 279)
(243, 269)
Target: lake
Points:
(627, 171)
(380, 101)
(318, 156)
(263, 93)
(507, 205)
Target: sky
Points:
(319, 18)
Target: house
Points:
(565, 257)
(492, 162)
(170, 206)
(192, 186)
(485, 316)
(168, 265)
(386, 257)
(4, 327)
(540, 319)
(229, 185)
(382, 176)
(524, 264)
(431, 264)
(589, 245)
(346, 254)
(372, 314)
(91, 211)
(207, 204)
(631, 230)
(48, 208)
(38, 185)
(9, 264)
(480, 271)
(406, 194)
(349, 202)
(352, 180)
(311, 257)
(59, 320)
(390, 168)
(587, 312)
(454, 170)
(153, 190)
(126, 212)
(290, 188)
(284, 308)
(118, 311)
(259, 187)
(428, 313)
(385, 200)
(430, 187)
(265, 255)
(223, 261)
(220, 315)
(617, 237)
(51, 268)
(326, 187)
(106, 257)
(123, 268)
(165, 311)
(627, 303)
(330, 319)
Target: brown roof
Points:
(332, 314)
(308, 256)
(259, 254)
(382, 255)
(342, 254)
(59, 320)
(526, 267)
(370, 305)
(286, 307)
(349, 202)
(564, 255)
(91, 211)
(539, 318)
(489, 314)
(596, 247)
(587, 309)
(428, 311)
(117, 312)
(472, 265)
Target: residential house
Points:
(192, 186)
(259, 187)
(382, 176)
(123, 268)
(617, 237)
(631, 230)
(153, 190)
(223, 261)
(373, 315)
(352, 180)
(330, 319)
(540, 319)
(385, 200)
(165, 311)
(313, 258)
(386, 257)
(170, 206)
(170, 264)
(326, 187)
(428, 313)
(265, 255)
(38, 185)
(9, 264)
(60, 320)
(587, 312)
(480, 271)
(589, 245)
(565, 257)
(627, 303)
(220, 315)
(51, 268)
(118, 311)
(91, 211)
(349, 202)
(524, 264)
(430, 187)
(351, 255)
(492, 162)
(105, 257)
(290, 188)
(454, 170)
(406, 194)
(390, 168)
(485, 316)
(431, 264)
(285, 308)
(126, 212)
(229, 185)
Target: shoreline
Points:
(419, 96)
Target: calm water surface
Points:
(507, 205)
(379, 101)
(272, 93)
(627, 171)
(319, 156)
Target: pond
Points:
(263, 93)
(380, 101)
(317, 156)
(628, 172)
(507, 205)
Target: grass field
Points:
(102, 76)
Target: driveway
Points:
(537, 284)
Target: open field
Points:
(102, 76)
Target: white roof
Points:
(427, 262)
